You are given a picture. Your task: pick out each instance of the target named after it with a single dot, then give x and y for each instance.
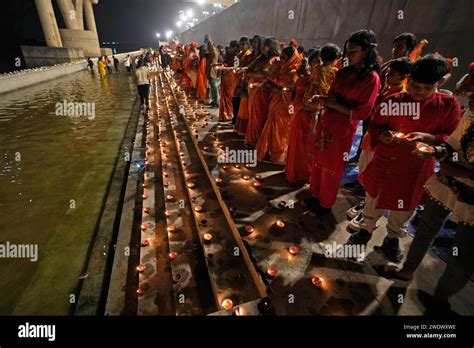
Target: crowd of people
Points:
(303, 107)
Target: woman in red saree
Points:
(228, 84)
(351, 98)
(259, 93)
(299, 159)
(246, 56)
(274, 139)
(201, 84)
(243, 116)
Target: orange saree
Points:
(274, 139)
(258, 101)
(201, 84)
(228, 84)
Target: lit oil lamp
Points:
(257, 184)
(237, 166)
(169, 197)
(293, 250)
(141, 268)
(259, 177)
(173, 255)
(224, 167)
(241, 311)
(147, 210)
(280, 223)
(227, 304)
(198, 209)
(144, 185)
(171, 228)
(165, 174)
(219, 181)
(232, 210)
(205, 148)
(191, 185)
(424, 149)
(249, 229)
(193, 199)
(317, 281)
(398, 135)
(140, 291)
(144, 196)
(144, 226)
(248, 166)
(246, 177)
(145, 243)
(168, 213)
(272, 271)
(208, 238)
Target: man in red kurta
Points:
(394, 179)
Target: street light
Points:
(178, 24)
(158, 35)
(169, 33)
(189, 13)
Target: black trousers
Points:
(143, 91)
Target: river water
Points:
(54, 176)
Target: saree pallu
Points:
(259, 101)
(228, 84)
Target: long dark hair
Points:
(368, 41)
(259, 40)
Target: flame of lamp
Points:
(141, 268)
(191, 185)
(147, 210)
(208, 237)
(241, 311)
(198, 209)
(272, 271)
(249, 229)
(246, 177)
(173, 255)
(280, 223)
(257, 184)
(171, 228)
(168, 213)
(227, 304)
(317, 281)
(144, 226)
(293, 250)
(145, 242)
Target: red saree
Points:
(335, 131)
(299, 158)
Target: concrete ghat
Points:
(30, 77)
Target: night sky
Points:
(133, 23)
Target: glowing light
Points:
(227, 304)
(173, 255)
(317, 281)
(293, 250)
(241, 311)
(272, 271)
(141, 268)
(249, 229)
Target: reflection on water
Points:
(54, 172)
